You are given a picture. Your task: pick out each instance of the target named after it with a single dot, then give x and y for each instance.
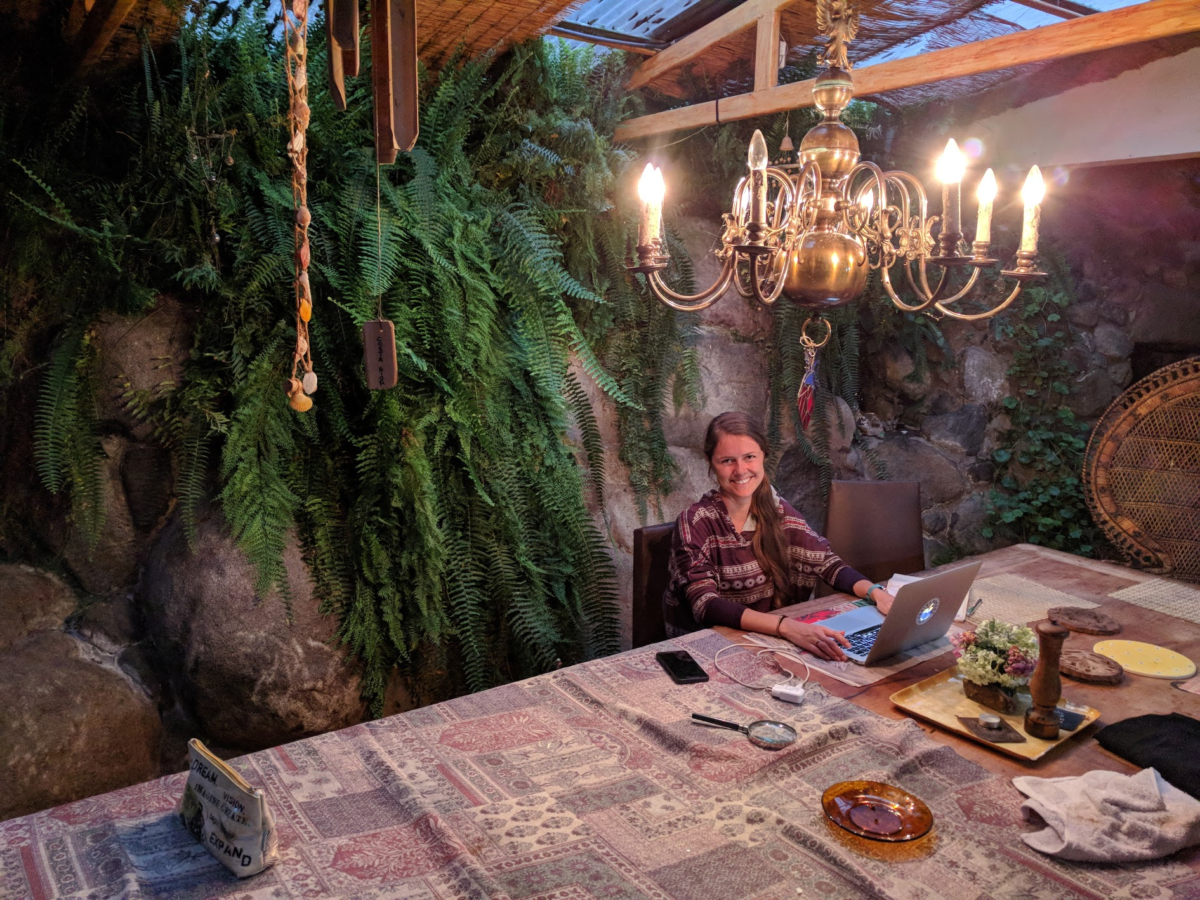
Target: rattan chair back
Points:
(1141, 472)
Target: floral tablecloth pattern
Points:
(588, 782)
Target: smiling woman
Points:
(742, 550)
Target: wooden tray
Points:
(940, 699)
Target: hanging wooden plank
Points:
(342, 18)
(405, 113)
(1102, 31)
(337, 73)
(766, 52)
(381, 77)
(352, 39)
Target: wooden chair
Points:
(651, 557)
(875, 526)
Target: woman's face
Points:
(738, 464)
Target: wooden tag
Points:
(379, 352)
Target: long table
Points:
(590, 782)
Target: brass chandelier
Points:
(811, 230)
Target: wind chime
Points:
(394, 69)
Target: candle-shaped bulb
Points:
(757, 159)
(651, 189)
(1035, 188)
(1032, 194)
(987, 198)
(651, 186)
(867, 203)
(952, 165)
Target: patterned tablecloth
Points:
(585, 783)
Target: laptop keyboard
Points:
(862, 641)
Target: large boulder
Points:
(912, 459)
(985, 376)
(111, 562)
(252, 674)
(961, 430)
(71, 728)
(30, 600)
(140, 356)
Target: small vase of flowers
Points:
(994, 660)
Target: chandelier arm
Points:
(853, 197)
(742, 290)
(974, 317)
(887, 286)
(932, 295)
(962, 293)
(692, 302)
(777, 262)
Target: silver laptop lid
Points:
(923, 611)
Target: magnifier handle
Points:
(723, 724)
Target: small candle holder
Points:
(652, 257)
(948, 254)
(1026, 269)
(979, 255)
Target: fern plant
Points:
(447, 515)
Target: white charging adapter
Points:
(788, 692)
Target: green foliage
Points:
(446, 513)
(1038, 496)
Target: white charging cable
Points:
(773, 651)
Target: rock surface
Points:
(71, 728)
(914, 459)
(248, 675)
(112, 562)
(30, 600)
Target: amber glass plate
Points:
(878, 811)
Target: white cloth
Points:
(1108, 817)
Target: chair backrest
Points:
(651, 558)
(875, 526)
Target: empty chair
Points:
(875, 526)
(651, 561)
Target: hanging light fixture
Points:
(811, 230)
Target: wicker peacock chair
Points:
(1142, 472)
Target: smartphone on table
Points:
(680, 665)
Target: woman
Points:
(743, 550)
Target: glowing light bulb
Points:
(757, 158)
(1032, 194)
(987, 187)
(651, 189)
(952, 164)
(867, 203)
(987, 198)
(1035, 188)
(651, 186)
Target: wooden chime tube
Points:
(405, 114)
(381, 74)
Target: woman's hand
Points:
(883, 601)
(816, 639)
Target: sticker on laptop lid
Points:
(927, 611)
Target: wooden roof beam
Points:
(1102, 31)
(686, 49)
(101, 23)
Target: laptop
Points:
(923, 612)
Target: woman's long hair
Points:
(770, 545)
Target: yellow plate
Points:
(1147, 659)
(940, 699)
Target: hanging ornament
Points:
(807, 395)
(296, 29)
(379, 335)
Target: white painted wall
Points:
(1147, 113)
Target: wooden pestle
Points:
(1045, 687)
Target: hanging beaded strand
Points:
(303, 380)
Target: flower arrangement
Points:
(997, 653)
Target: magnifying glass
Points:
(763, 733)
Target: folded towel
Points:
(1109, 817)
